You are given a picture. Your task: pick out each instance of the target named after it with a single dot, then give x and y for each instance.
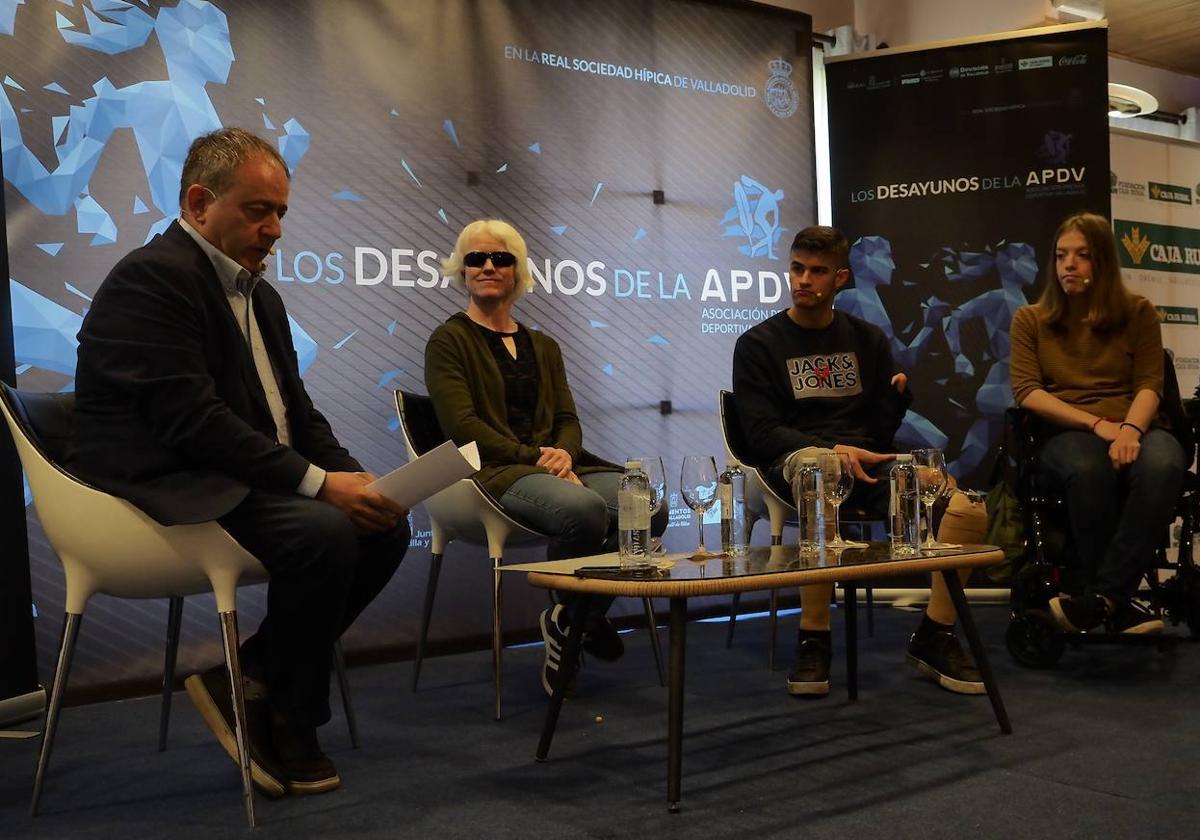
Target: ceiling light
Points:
(1125, 101)
(1078, 10)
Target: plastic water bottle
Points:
(633, 517)
(904, 508)
(731, 488)
(810, 506)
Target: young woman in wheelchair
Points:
(1087, 359)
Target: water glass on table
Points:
(698, 483)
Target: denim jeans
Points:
(580, 520)
(1117, 517)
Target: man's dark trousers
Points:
(323, 574)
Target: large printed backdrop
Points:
(951, 169)
(403, 121)
(1155, 185)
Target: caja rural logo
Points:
(1135, 244)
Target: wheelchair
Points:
(1039, 574)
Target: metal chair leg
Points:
(652, 626)
(233, 665)
(772, 627)
(435, 568)
(733, 614)
(66, 651)
(174, 620)
(870, 611)
(497, 642)
(339, 665)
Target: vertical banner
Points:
(18, 663)
(1155, 186)
(951, 167)
(656, 156)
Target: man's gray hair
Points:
(214, 157)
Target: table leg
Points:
(851, 608)
(675, 704)
(566, 669)
(968, 624)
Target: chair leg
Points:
(870, 611)
(435, 568)
(497, 642)
(66, 651)
(174, 620)
(652, 626)
(733, 614)
(233, 664)
(772, 627)
(339, 665)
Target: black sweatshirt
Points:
(798, 387)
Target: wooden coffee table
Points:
(764, 567)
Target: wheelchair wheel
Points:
(1033, 641)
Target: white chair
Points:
(465, 511)
(109, 546)
(763, 502)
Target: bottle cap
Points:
(904, 458)
(633, 464)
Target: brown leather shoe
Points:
(210, 693)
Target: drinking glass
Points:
(698, 482)
(931, 479)
(837, 479)
(652, 466)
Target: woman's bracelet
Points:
(1097, 422)
(1141, 432)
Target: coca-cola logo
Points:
(1067, 60)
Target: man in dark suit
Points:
(189, 404)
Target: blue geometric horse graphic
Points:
(164, 115)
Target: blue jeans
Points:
(580, 520)
(1117, 517)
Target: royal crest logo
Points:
(781, 95)
(756, 209)
(1135, 244)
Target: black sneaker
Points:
(603, 641)
(307, 768)
(940, 657)
(1079, 613)
(210, 693)
(810, 673)
(554, 634)
(1133, 617)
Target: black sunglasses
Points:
(500, 259)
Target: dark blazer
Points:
(170, 413)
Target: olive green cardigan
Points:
(468, 395)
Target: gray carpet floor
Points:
(1105, 745)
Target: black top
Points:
(520, 377)
(799, 387)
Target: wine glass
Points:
(652, 466)
(837, 479)
(931, 480)
(698, 482)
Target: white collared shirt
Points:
(239, 284)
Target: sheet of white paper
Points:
(434, 471)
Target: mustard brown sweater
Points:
(1099, 372)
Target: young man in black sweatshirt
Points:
(811, 378)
